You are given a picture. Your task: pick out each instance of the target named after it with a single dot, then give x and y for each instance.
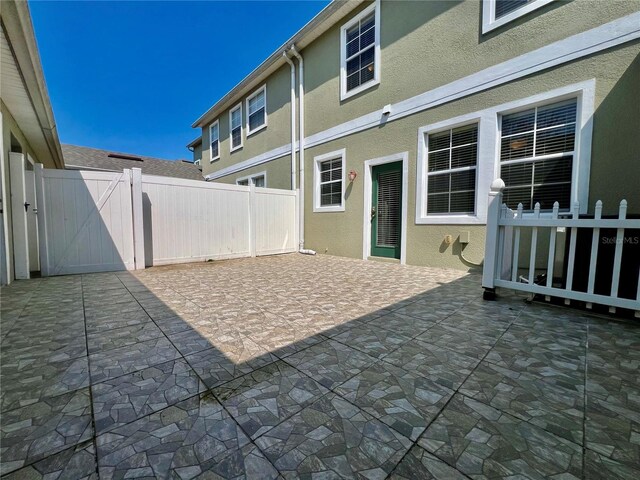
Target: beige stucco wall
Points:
(340, 233)
(278, 173)
(276, 134)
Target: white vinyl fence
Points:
(103, 221)
(505, 253)
(189, 220)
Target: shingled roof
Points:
(79, 158)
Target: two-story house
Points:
(405, 112)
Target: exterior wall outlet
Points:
(464, 237)
(448, 239)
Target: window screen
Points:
(360, 52)
(257, 111)
(215, 141)
(507, 6)
(236, 127)
(452, 158)
(331, 183)
(537, 147)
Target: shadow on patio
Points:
(308, 365)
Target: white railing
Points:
(504, 251)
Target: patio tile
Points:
(440, 365)
(477, 323)
(190, 341)
(599, 467)
(426, 310)
(333, 438)
(131, 358)
(403, 400)
(78, 463)
(402, 324)
(130, 397)
(483, 442)
(24, 386)
(330, 363)
(529, 340)
(468, 343)
(194, 437)
(553, 408)
(103, 324)
(35, 431)
(121, 337)
(172, 325)
(375, 342)
(264, 398)
(215, 367)
(419, 464)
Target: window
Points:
(360, 52)
(214, 137)
(496, 13)
(235, 120)
(257, 111)
(329, 182)
(452, 157)
(257, 180)
(537, 149)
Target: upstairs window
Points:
(257, 180)
(496, 13)
(257, 111)
(214, 135)
(360, 52)
(452, 157)
(537, 149)
(235, 120)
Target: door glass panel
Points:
(389, 193)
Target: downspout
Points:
(301, 141)
(293, 119)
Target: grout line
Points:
(584, 405)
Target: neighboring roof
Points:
(324, 20)
(23, 87)
(80, 158)
(194, 142)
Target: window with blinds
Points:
(331, 182)
(507, 6)
(360, 52)
(537, 148)
(256, 110)
(389, 209)
(236, 127)
(214, 135)
(452, 157)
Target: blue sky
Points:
(133, 76)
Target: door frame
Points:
(366, 224)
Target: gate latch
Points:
(26, 206)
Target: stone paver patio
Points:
(309, 367)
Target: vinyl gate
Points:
(103, 221)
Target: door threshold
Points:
(384, 259)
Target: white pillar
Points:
(138, 218)
(491, 253)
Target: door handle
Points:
(373, 212)
(26, 206)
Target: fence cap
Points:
(497, 185)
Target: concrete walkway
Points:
(309, 367)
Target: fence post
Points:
(491, 253)
(43, 244)
(138, 218)
(252, 219)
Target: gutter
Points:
(293, 119)
(301, 141)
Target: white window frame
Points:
(344, 94)
(317, 207)
(488, 166)
(237, 147)
(211, 157)
(490, 22)
(251, 97)
(253, 176)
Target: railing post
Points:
(491, 253)
(138, 218)
(43, 244)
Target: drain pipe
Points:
(293, 119)
(301, 132)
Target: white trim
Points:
(317, 208)
(488, 167)
(366, 225)
(490, 22)
(211, 157)
(253, 176)
(587, 43)
(263, 88)
(237, 147)
(344, 94)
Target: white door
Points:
(32, 220)
(19, 215)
